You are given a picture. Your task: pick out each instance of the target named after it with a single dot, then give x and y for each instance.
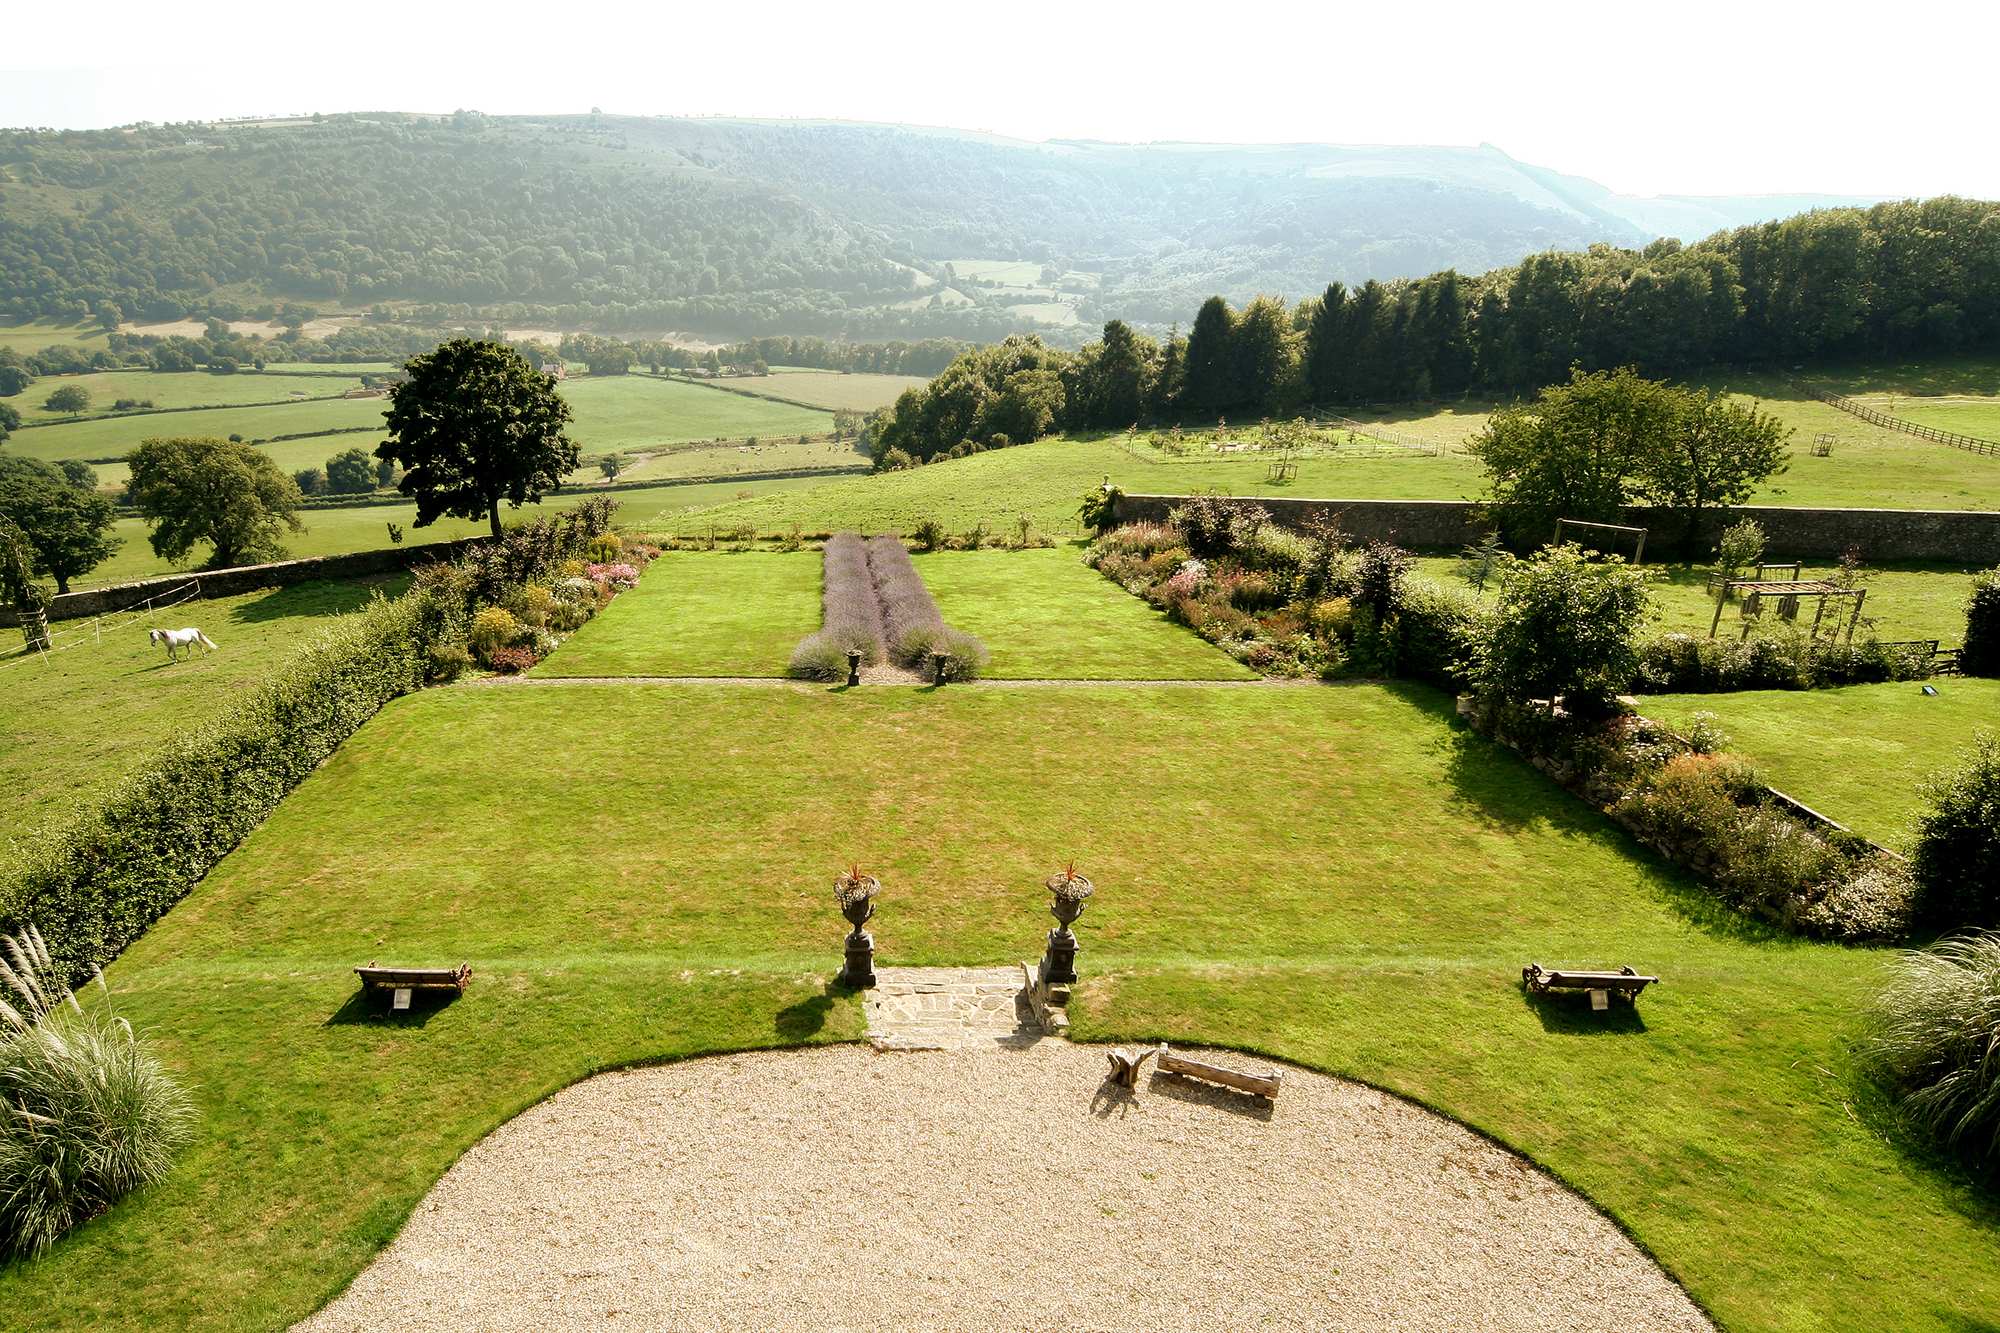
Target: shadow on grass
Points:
(372, 1009)
(802, 1021)
(1570, 1014)
(1962, 1187)
(321, 597)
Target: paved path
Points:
(950, 1009)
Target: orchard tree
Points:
(474, 424)
(221, 492)
(66, 528)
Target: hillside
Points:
(728, 228)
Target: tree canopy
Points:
(474, 424)
(66, 527)
(222, 493)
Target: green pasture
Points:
(1978, 417)
(1044, 613)
(1858, 754)
(74, 722)
(34, 335)
(701, 613)
(114, 437)
(1336, 876)
(778, 454)
(181, 389)
(630, 412)
(365, 527)
(831, 389)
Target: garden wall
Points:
(249, 578)
(1957, 535)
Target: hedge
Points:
(95, 886)
(1981, 654)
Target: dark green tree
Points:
(474, 424)
(228, 495)
(1208, 366)
(13, 379)
(70, 398)
(67, 529)
(1326, 353)
(350, 472)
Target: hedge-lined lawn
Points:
(1046, 613)
(365, 527)
(1331, 875)
(632, 411)
(73, 723)
(1860, 753)
(1904, 601)
(701, 613)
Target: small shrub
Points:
(1379, 577)
(928, 535)
(1956, 859)
(493, 629)
(448, 661)
(1141, 539)
(511, 661)
(1981, 654)
(819, 657)
(1935, 1043)
(1214, 525)
(1705, 735)
(604, 549)
(532, 605)
(1331, 618)
(1564, 627)
(1249, 592)
(1876, 902)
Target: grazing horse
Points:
(177, 639)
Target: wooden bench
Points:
(1263, 1085)
(1601, 986)
(403, 982)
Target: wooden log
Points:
(1263, 1085)
(1125, 1065)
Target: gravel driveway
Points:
(843, 1188)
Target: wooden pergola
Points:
(1788, 592)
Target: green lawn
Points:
(1334, 875)
(1859, 754)
(633, 411)
(364, 527)
(1046, 613)
(74, 722)
(1904, 601)
(193, 388)
(701, 613)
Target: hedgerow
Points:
(97, 884)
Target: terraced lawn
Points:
(1859, 754)
(700, 613)
(1046, 613)
(1336, 876)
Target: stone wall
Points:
(248, 578)
(1951, 535)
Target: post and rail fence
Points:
(1970, 443)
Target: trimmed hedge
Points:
(1687, 664)
(95, 886)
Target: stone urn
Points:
(1067, 894)
(855, 892)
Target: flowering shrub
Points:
(511, 661)
(493, 629)
(619, 575)
(531, 604)
(605, 548)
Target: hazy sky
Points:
(1690, 98)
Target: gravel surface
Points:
(843, 1188)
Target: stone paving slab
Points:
(949, 1009)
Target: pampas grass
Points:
(86, 1115)
(1936, 1042)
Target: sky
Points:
(1750, 97)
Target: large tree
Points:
(1206, 370)
(69, 398)
(67, 528)
(350, 472)
(220, 492)
(1717, 453)
(474, 424)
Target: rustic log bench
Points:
(403, 982)
(1601, 986)
(1263, 1085)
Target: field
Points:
(1967, 415)
(114, 437)
(1904, 601)
(629, 412)
(830, 389)
(701, 613)
(189, 389)
(364, 527)
(1044, 613)
(777, 454)
(1337, 876)
(1858, 754)
(34, 335)
(56, 749)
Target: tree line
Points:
(1907, 278)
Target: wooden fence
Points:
(1970, 443)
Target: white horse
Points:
(177, 639)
